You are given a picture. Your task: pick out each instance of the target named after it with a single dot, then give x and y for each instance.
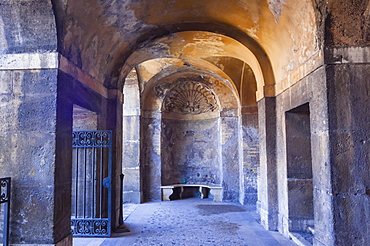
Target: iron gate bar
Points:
(85, 188)
(101, 182)
(93, 184)
(93, 145)
(5, 188)
(76, 180)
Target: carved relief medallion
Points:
(190, 98)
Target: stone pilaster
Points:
(131, 139)
(267, 187)
(348, 85)
(231, 157)
(151, 158)
(250, 158)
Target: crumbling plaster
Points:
(99, 36)
(163, 67)
(192, 45)
(340, 31)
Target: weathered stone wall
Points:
(190, 151)
(27, 27)
(339, 133)
(28, 139)
(348, 23)
(200, 151)
(349, 107)
(84, 119)
(312, 90)
(131, 158)
(32, 123)
(231, 144)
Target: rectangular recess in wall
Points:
(299, 168)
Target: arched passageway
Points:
(282, 121)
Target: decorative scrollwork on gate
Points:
(91, 139)
(191, 98)
(4, 190)
(85, 227)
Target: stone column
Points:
(151, 156)
(250, 158)
(131, 140)
(267, 186)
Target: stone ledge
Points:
(347, 55)
(53, 60)
(298, 239)
(27, 61)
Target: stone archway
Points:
(193, 134)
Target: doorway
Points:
(91, 176)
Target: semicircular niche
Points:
(190, 98)
(190, 136)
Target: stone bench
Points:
(167, 191)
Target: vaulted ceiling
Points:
(107, 38)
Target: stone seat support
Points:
(167, 191)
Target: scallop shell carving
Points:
(190, 98)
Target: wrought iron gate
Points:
(91, 183)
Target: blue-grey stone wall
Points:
(28, 127)
(27, 27)
(231, 158)
(190, 151)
